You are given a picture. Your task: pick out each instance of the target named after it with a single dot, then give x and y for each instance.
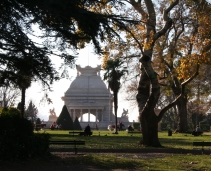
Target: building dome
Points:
(88, 83)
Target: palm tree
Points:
(113, 73)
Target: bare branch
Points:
(165, 109)
(167, 20)
(138, 7)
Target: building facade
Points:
(89, 94)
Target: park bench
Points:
(193, 133)
(197, 133)
(67, 142)
(134, 132)
(38, 127)
(78, 133)
(202, 144)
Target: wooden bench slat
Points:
(68, 143)
(75, 143)
(79, 133)
(202, 143)
(75, 132)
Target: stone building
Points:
(89, 94)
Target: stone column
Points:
(81, 115)
(96, 116)
(89, 115)
(102, 115)
(109, 111)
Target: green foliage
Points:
(136, 125)
(31, 112)
(17, 140)
(114, 70)
(19, 106)
(38, 121)
(77, 125)
(65, 120)
(205, 127)
(163, 126)
(39, 145)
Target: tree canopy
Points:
(64, 26)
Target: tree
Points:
(65, 120)
(113, 74)
(31, 112)
(22, 61)
(63, 24)
(38, 121)
(144, 39)
(77, 125)
(141, 39)
(9, 96)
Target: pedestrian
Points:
(87, 130)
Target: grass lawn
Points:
(124, 161)
(135, 161)
(105, 139)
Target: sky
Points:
(86, 57)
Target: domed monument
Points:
(89, 94)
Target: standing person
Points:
(121, 125)
(118, 125)
(87, 130)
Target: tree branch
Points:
(167, 20)
(165, 109)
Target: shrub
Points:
(65, 120)
(38, 121)
(77, 125)
(164, 126)
(136, 125)
(205, 127)
(17, 138)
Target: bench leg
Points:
(202, 150)
(76, 150)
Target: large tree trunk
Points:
(182, 113)
(179, 89)
(149, 88)
(147, 97)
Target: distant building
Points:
(89, 94)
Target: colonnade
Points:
(75, 112)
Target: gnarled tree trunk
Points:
(147, 97)
(149, 88)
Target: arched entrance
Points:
(85, 117)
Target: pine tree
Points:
(19, 106)
(65, 120)
(77, 125)
(38, 121)
(31, 112)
